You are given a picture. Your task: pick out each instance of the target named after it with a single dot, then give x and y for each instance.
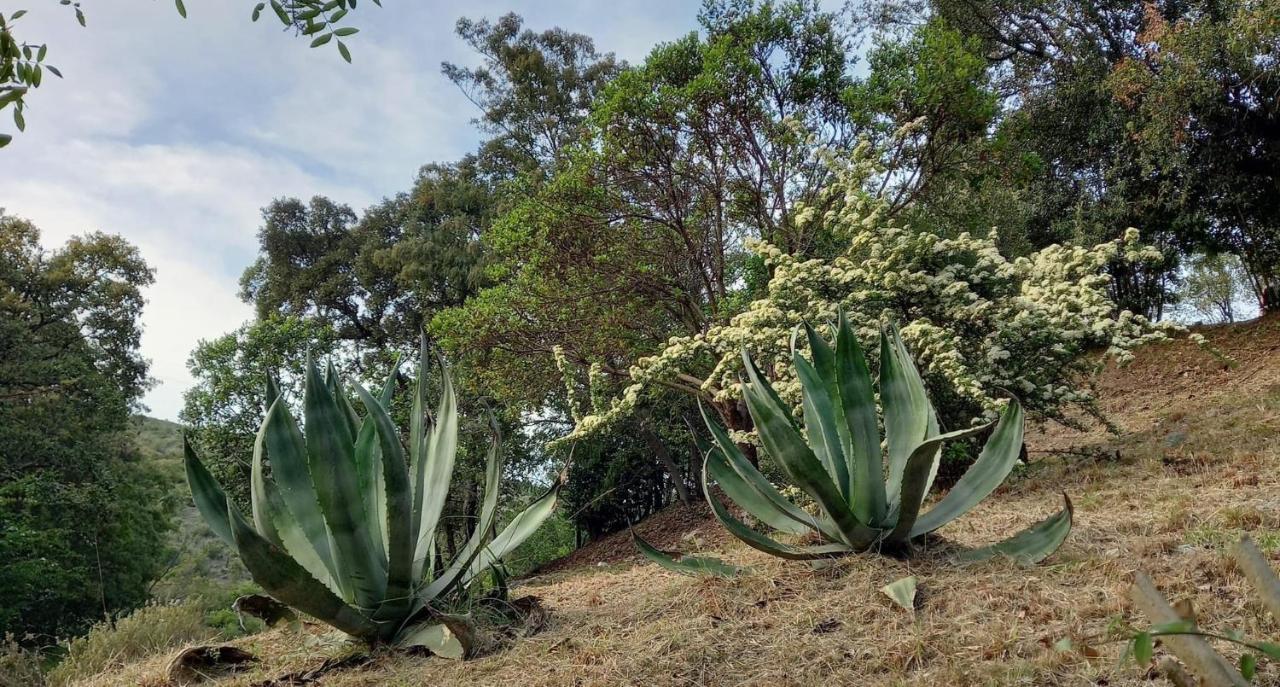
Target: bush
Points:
(977, 321)
(144, 632)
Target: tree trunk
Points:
(668, 463)
(737, 418)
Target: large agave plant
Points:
(838, 461)
(344, 528)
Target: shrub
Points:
(977, 321)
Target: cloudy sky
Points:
(175, 133)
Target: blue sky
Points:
(174, 133)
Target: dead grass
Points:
(1198, 466)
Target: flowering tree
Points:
(977, 322)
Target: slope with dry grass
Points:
(1197, 463)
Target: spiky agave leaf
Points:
(1031, 545)
(331, 457)
(862, 434)
(784, 443)
(685, 565)
(435, 468)
(745, 486)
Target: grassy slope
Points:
(1196, 466)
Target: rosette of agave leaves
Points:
(344, 527)
(867, 498)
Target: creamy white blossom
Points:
(977, 322)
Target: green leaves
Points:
(686, 565)
(339, 524)
(837, 460)
(1033, 544)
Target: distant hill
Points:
(202, 565)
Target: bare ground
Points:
(1196, 465)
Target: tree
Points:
(22, 64)
(1214, 285)
(82, 522)
(533, 90)
(1202, 91)
(639, 235)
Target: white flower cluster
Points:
(976, 322)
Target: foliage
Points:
(345, 529)
(534, 90)
(1180, 631)
(978, 321)
(82, 519)
(837, 460)
(598, 258)
(1201, 88)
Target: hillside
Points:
(1196, 464)
(202, 564)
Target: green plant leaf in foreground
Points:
(686, 565)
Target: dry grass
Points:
(1198, 466)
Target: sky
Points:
(175, 133)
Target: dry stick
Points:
(1259, 573)
(1193, 650)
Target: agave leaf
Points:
(787, 447)
(488, 514)
(1031, 545)
(764, 543)
(862, 432)
(285, 580)
(292, 479)
(818, 401)
(294, 540)
(399, 503)
(993, 465)
(273, 520)
(446, 639)
(368, 458)
(333, 383)
(686, 565)
(210, 500)
(916, 479)
(903, 593)
(331, 457)
(751, 490)
(368, 454)
(436, 468)
(258, 485)
(418, 427)
(747, 498)
(906, 409)
(515, 533)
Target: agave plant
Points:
(344, 529)
(838, 461)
